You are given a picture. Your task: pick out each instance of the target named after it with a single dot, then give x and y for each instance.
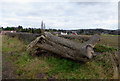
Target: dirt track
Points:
(8, 69)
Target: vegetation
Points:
(49, 66)
(80, 31)
(102, 48)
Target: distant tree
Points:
(37, 31)
(19, 29)
(2, 28)
(9, 28)
(54, 30)
(32, 30)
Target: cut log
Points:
(72, 44)
(33, 43)
(65, 47)
(78, 37)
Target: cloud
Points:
(26, 1)
(60, 15)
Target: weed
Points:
(103, 48)
(19, 72)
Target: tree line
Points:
(80, 31)
(30, 30)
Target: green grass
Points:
(70, 69)
(29, 67)
(64, 65)
(111, 41)
(109, 35)
(103, 48)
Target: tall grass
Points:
(103, 48)
(54, 67)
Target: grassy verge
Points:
(52, 67)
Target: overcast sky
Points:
(59, 15)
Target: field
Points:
(18, 64)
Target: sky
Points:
(59, 14)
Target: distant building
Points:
(4, 32)
(63, 33)
(56, 33)
(105, 32)
(59, 33)
(74, 33)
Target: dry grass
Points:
(12, 44)
(53, 67)
(110, 41)
(35, 67)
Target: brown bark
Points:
(66, 48)
(78, 37)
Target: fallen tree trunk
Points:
(78, 37)
(66, 48)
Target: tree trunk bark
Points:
(78, 37)
(66, 48)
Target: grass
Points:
(109, 35)
(53, 67)
(64, 65)
(110, 41)
(103, 48)
(65, 69)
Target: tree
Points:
(19, 29)
(64, 47)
